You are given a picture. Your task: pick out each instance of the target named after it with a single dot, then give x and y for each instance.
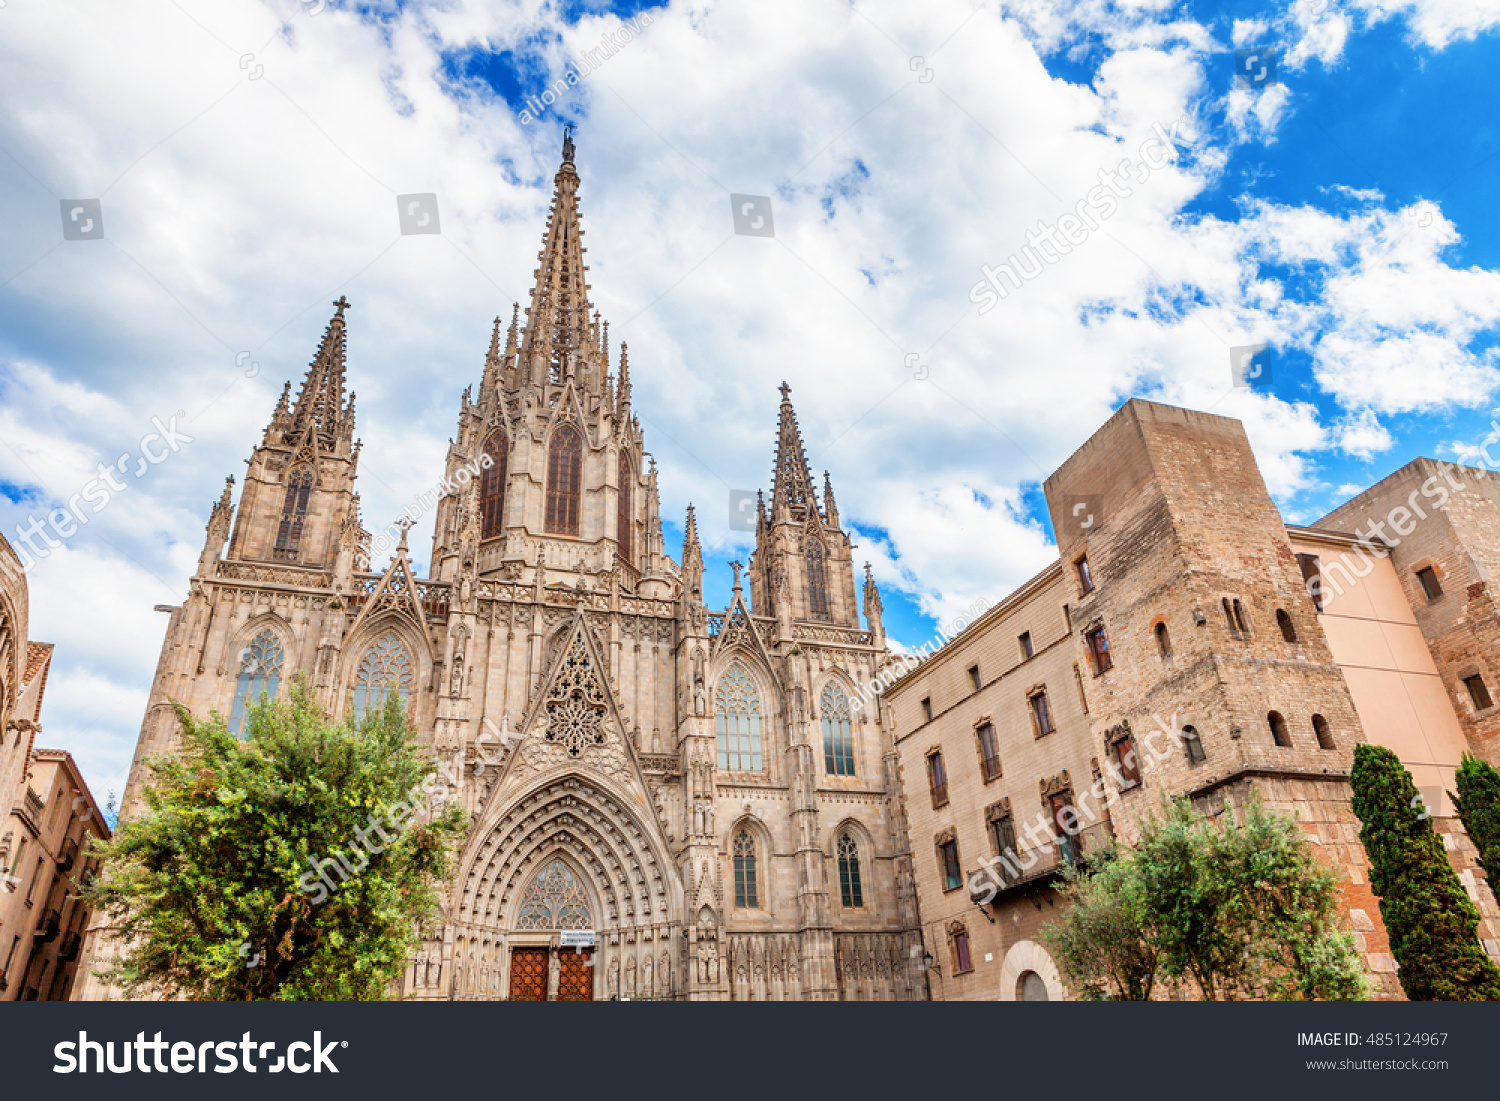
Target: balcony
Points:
(67, 951)
(1035, 866)
(30, 810)
(47, 928)
(69, 855)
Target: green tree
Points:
(227, 885)
(1243, 910)
(1431, 923)
(1478, 802)
(1101, 945)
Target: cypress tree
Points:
(1432, 925)
(1478, 801)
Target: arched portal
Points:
(563, 860)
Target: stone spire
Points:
(830, 507)
(874, 612)
(320, 405)
(622, 413)
(493, 363)
(557, 321)
(791, 481)
(217, 530)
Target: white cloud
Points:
(237, 208)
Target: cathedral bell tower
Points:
(298, 506)
(548, 471)
(803, 567)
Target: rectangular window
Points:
(1003, 835)
(953, 876)
(1312, 577)
(1478, 692)
(1065, 821)
(35, 875)
(1085, 575)
(962, 961)
(937, 779)
(1430, 584)
(1099, 648)
(15, 865)
(989, 753)
(1130, 767)
(10, 957)
(1026, 648)
(1041, 715)
(927, 710)
(974, 681)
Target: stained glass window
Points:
(849, 885)
(293, 514)
(746, 889)
(385, 669)
(623, 523)
(817, 587)
(838, 732)
(492, 488)
(260, 671)
(564, 480)
(554, 900)
(737, 723)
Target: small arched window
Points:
(1192, 745)
(293, 514)
(737, 721)
(492, 488)
(624, 524)
(838, 731)
(1288, 628)
(385, 670)
(7, 663)
(1323, 733)
(260, 672)
(1031, 987)
(746, 886)
(1163, 641)
(564, 480)
(1241, 620)
(1279, 733)
(850, 889)
(817, 584)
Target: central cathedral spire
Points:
(558, 326)
(791, 485)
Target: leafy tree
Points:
(1478, 801)
(1431, 923)
(227, 884)
(1101, 945)
(1244, 910)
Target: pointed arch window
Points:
(817, 584)
(7, 664)
(838, 731)
(492, 488)
(746, 886)
(850, 888)
(384, 670)
(737, 721)
(554, 900)
(293, 514)
(260, 672)
(564, 480)
(623, 525)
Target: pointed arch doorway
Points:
(548, 959)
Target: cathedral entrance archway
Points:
(556, 901)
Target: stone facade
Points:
(691, 786)
(48, 818)
(1181, 654)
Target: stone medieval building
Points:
(691, 786)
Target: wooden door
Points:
(528, 974)
(575, 977)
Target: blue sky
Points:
(1340, 215)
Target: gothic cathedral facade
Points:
(691, 786)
